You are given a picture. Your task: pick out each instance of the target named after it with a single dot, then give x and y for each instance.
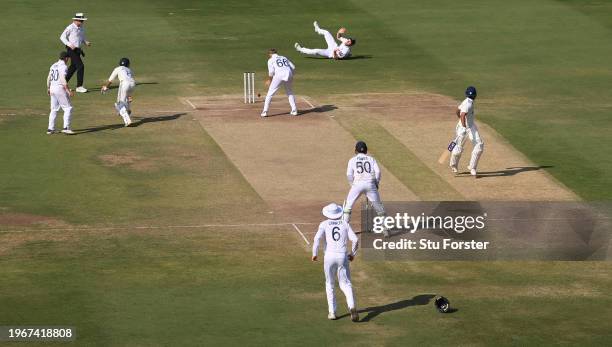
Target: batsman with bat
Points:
(124, 92)
(466, 127)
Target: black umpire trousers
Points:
(76, 64)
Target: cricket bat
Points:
(446, 153)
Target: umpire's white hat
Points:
(332, 211)
(79, 16)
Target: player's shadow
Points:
(138, 122)
(143, 120)
(511, 171)
(373, 311)
(319, 109)
(97, 89)
(358, 57)
(352, 57)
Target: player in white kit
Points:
(124, 92)
(363, 174)
(280, 72)
(336, 234)
(333, 50)
(467, 126)
(60, 93)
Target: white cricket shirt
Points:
(337, 233)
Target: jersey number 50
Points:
(364, 166)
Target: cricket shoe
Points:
(473, 172)
(67, 131)
(354, 315)
(50, 131)
(316, 26)
(454, 169)
(264, 114)
(297, 47)
(294, 113)
(331, 316)
(81, 89)
(127, 120)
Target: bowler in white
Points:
(336, 234)
(280, 72)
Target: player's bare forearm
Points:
(458, 113)
(463, 120)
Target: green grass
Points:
(543, 78)
(540, 68)
(227, 286)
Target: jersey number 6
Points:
(336, 233)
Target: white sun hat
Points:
(79, 16)
(332, 211)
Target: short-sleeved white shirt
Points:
(467, 106)
(281, 67)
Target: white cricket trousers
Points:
(59, 99)
(363, 187)
(328, 52)
(124, 91)
(274, 86)
(474, 135)
(337, 265)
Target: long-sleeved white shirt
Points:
(123, 73)
(362, 167)
(73, 35)
(281, 67)
(57, 74)
(343, 51)
(337, 233)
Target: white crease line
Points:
(190, 104)
(299, 231)
(152, 227)
(308, 102)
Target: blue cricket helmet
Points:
(361, 147)
(124, 62)
(470, 92)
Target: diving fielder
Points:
(60, 93)
(333, 50)
(467, 126)
(363, 175)
(280, 72)
(124, 92)
(337, 233)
